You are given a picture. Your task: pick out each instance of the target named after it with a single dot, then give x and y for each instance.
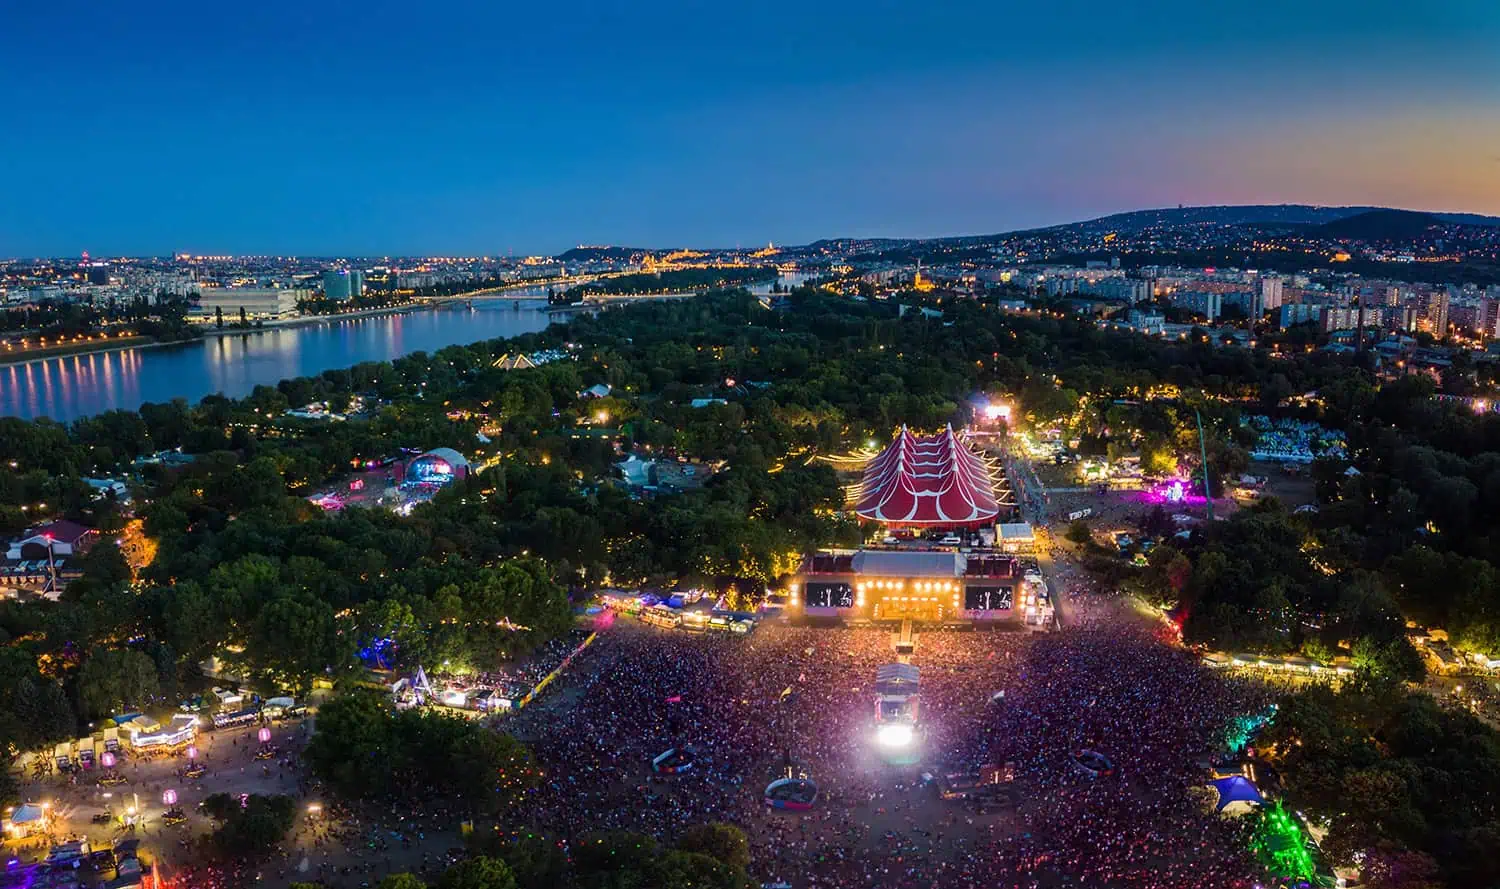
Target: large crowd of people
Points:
(750, 706)
(747, 706)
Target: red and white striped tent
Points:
(928, 481)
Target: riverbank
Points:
(119, 344)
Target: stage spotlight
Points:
(894, 735)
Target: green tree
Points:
(252, 826)
(1078, 532)
(113, 680)
(722, 842)
(478, 873)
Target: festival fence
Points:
(557, 671)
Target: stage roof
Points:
(928, 481)
(896, 563)
(1019, 531)
(893, 679)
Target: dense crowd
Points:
(747, 706)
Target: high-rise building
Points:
(1272, 290)
(356, 283)
(336, 284)
(1437, 312)
(1489, 317)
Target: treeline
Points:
(1259, 583)
(163, 317)
(374, 299)
(707, 856)
(1405, 787)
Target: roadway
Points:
(1032, 500)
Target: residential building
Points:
(1299, 313)
(1271, 290)
(1436, 306)
(1349, 318)
(1208, 304)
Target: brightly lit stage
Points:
(920, 585)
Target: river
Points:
(72, 386)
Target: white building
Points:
(258, 303)
(1272, 290)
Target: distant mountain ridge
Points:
(1380, 225)
(1251, 214)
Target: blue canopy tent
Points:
(1236, 789)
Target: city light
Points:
(894, 735)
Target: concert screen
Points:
(829, 595)
(987, 598)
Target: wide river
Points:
(73, 386)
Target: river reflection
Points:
(73, 386)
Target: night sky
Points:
(315, 127)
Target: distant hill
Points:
(1260, 216)
(601, 254)
(1379, 225)
(1257, 214)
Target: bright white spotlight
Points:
(894, 735)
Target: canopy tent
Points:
(26, 820)
(928, 481)
(1236, 790)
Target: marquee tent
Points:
(928, 481)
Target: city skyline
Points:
(299, 131)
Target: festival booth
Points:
(145, 733)
(235, 718)
(27, 820)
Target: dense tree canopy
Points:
(363, 749)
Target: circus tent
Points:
(928, 481)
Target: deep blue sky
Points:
(488, 127)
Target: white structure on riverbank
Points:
(258, 303)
